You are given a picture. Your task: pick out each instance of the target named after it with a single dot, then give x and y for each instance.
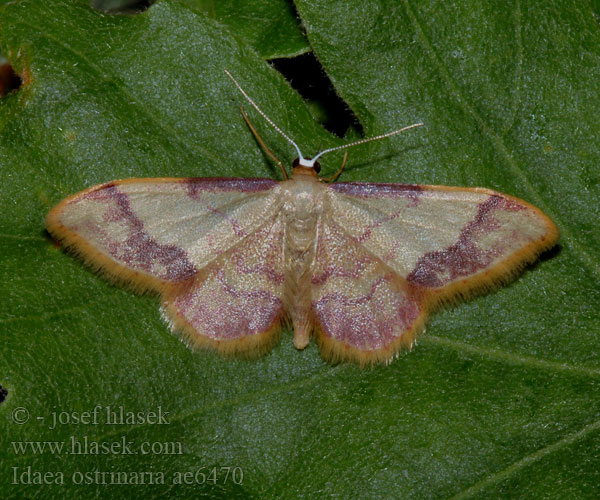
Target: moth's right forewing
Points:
(439, 236)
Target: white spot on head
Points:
(306, 162)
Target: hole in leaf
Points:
(9, 80)
(307, 77)
(121, 6)
(3, 393)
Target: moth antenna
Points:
(362, 141)
(300, 157)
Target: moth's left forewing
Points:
(439, 242)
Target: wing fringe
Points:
(247, 347)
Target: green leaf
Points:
(270, 26)
(498, 400)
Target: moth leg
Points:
(269, 153)
(339, 172)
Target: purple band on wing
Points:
(222, 312)
(464, 257)
(139, 250)
(214, 184)
(266, 269)
(240, 293)
(334, 271)
(367, 233)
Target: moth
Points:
(358, 266)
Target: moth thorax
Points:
(307, 163)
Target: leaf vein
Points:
(511, 357)
(530, 459)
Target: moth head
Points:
(306, 166)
